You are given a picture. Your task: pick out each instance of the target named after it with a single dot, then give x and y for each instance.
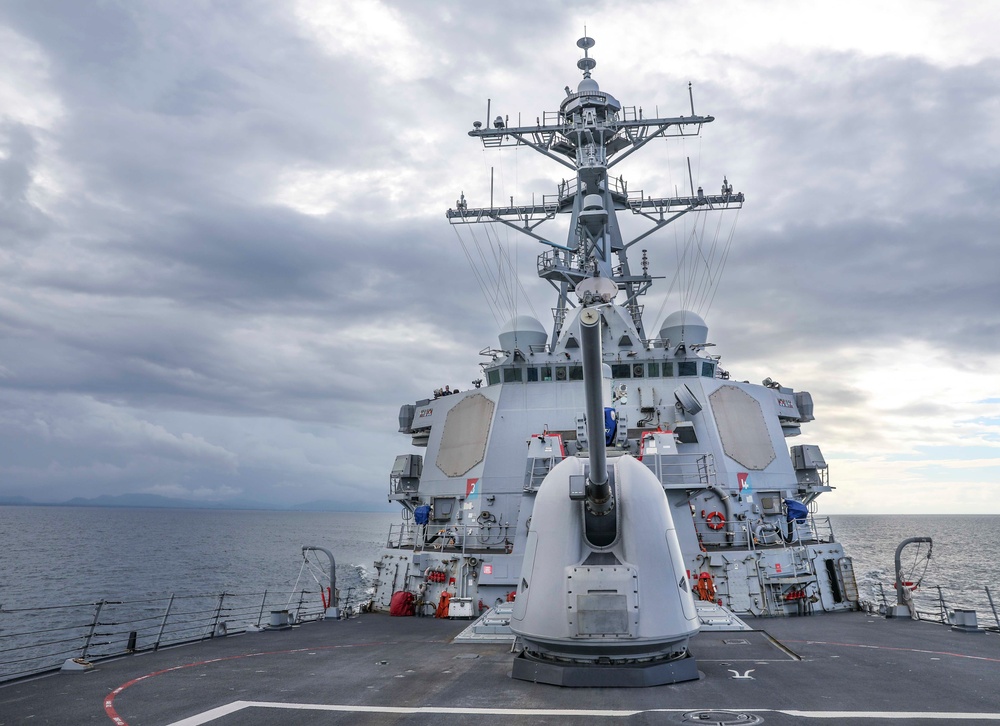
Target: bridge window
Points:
(654, 370)
(532, 375)
(560, 373)
(546, 373)
(576, 373)
(708, 370)
(511, 375)
(492, 377)
(687, 368)
(621, 370)
(668, 370)
(637, 370)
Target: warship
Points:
(607, 526)
(742, 503)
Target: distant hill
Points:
(139, 501)
(329, 505)
(14, 500)
(157, 500)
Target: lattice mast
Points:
(590, 134)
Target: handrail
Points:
(451, 537)
(111, 628)
(815, 530)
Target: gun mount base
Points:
(633, 675)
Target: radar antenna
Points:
(586, 64)
(591, 133)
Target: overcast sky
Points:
(224, 261)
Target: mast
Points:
(590, 134)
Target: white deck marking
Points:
(897, 715)
(235, 706)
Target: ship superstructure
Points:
(742, 501)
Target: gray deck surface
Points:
(851, 668)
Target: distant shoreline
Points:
(208, 506)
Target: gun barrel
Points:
(598, 487)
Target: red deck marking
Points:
(109, 701)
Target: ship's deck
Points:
(848, 668)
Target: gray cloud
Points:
(171, 321)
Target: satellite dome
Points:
(685, 327)
(588, 85)
(522, 332)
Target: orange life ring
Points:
(715, 520)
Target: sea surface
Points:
(965, 558)
(69, 555)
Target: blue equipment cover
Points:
(797, 511)
(610, 426)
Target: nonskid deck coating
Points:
(849, 668)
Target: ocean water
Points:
(69, 555)
(64, 568)
(965, 558)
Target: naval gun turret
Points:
(603, 597)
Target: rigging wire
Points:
(309, 566)
(516, 279)
(491, 269)
(486, 271)
(476, 273)
(913, 567)
(691, 255)
(295, 587)
(707, 278)
(678, 273)
(725, 259)
(502, 284)
(313, 569)
(698, 263)
(496, 269)
(698, 269)
(514, 284)
(491, 260)
(316, 567)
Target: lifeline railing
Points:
(935, 609)
(36, 640)
(814, 530)
(452, 537)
